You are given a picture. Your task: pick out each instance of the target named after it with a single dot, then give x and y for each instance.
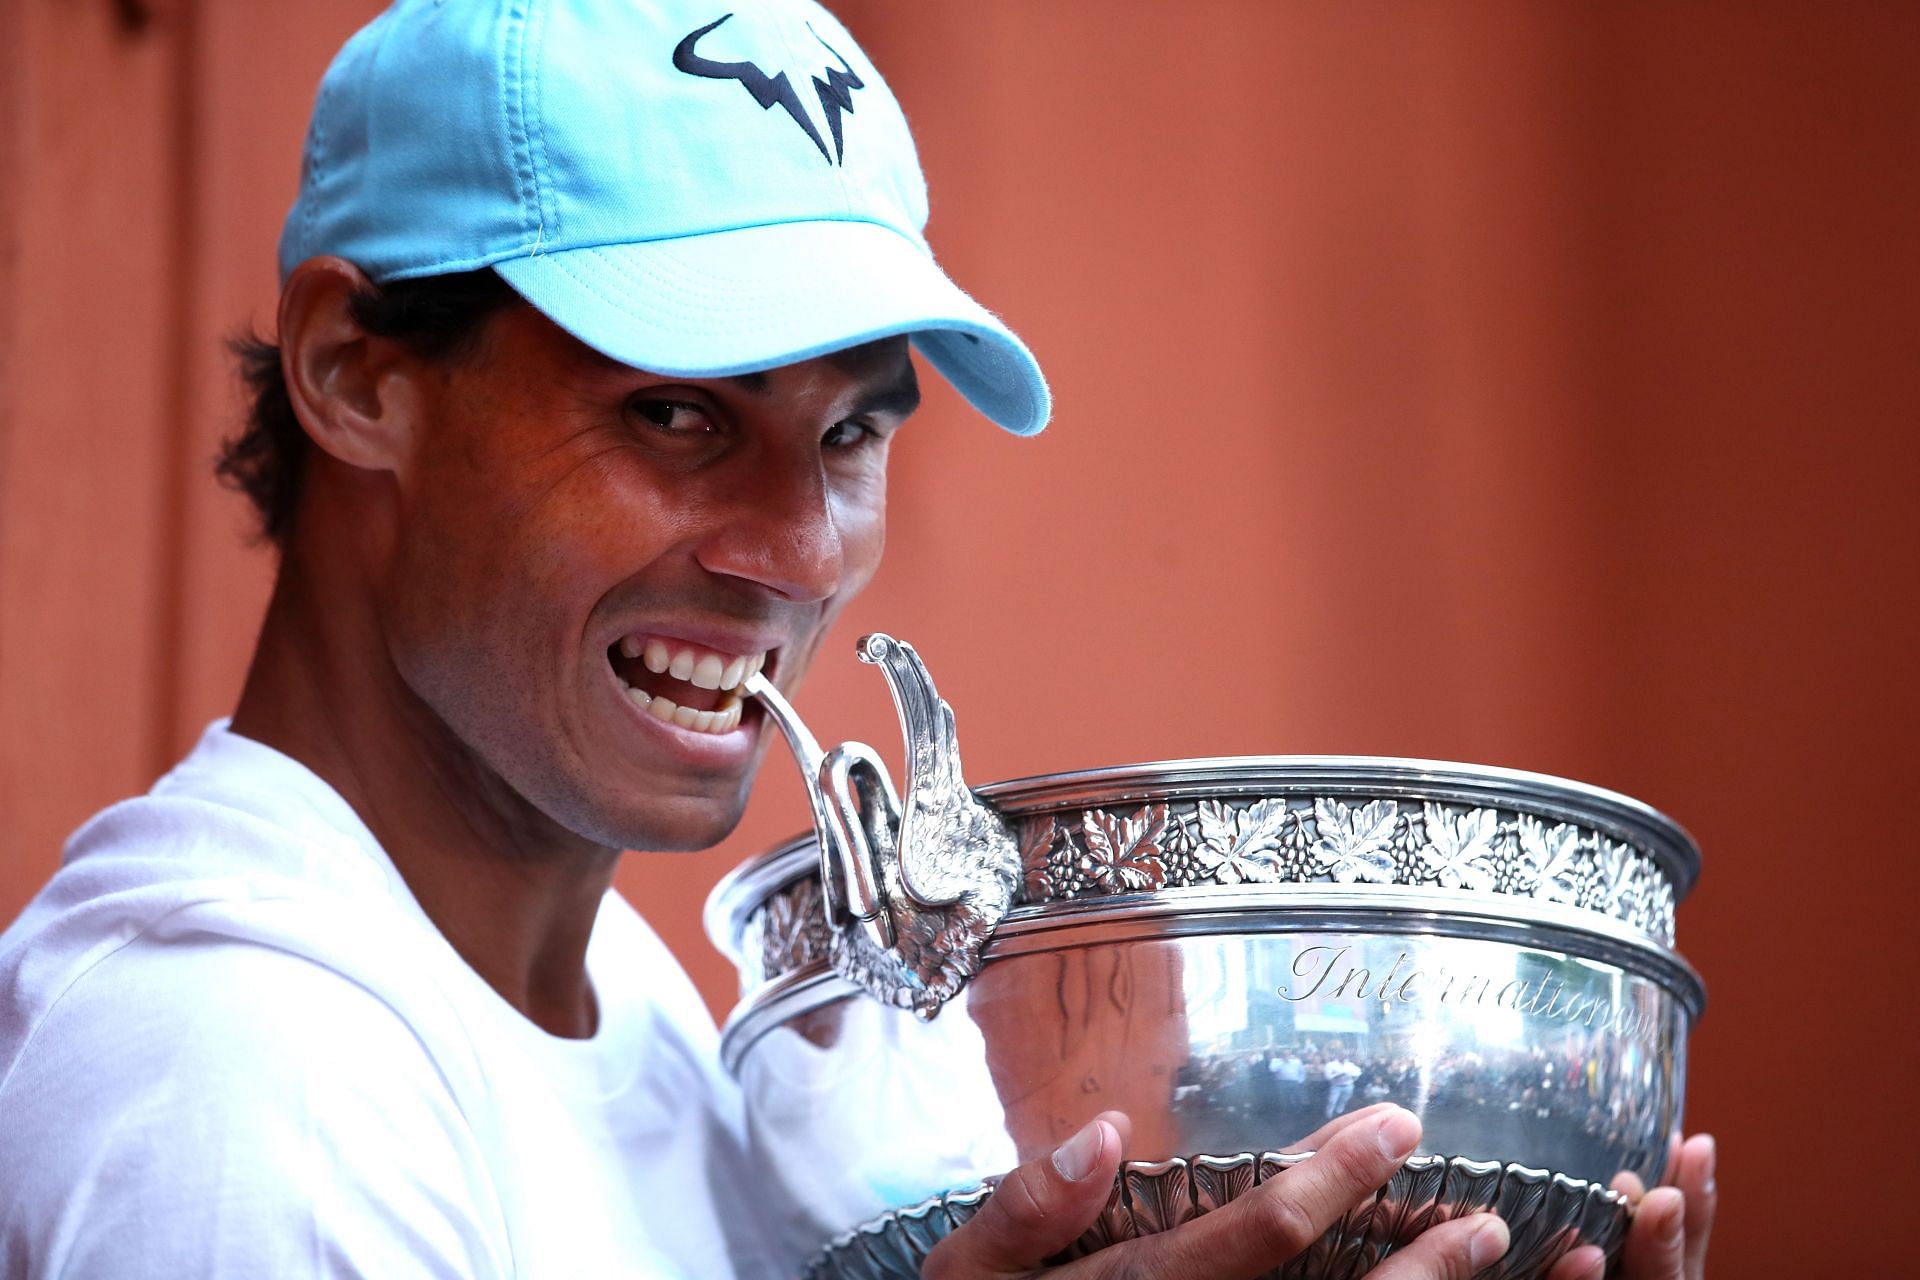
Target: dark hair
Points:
(437, 317)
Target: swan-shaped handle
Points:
(914, 887)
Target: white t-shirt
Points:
(231, 1044)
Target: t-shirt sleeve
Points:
(227, 1109)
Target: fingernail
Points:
(1489, 1243)
(1075, 1157)
(1713, 1160)
(1398, 1134)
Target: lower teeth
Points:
(722, 719)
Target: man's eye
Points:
(848, 434)
(673, 417)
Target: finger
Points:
(1655, 1248)
(1281, 1218)
(1695, 1178)
(1455, 1250)
(1325, 1133)
(1036, 1211)
(1588, 1262)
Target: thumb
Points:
(1035, 1211)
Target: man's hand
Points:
(1668, 1239)
(1042, 1206)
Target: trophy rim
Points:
(1672, 849)
(1205, 777)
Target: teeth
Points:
(701, 668)
(720, 720)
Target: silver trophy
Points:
(939, 985)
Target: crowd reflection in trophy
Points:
(1481, 1099)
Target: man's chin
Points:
(683, 824)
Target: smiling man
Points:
(597, 320)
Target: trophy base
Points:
(1548, 1214)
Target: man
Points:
(1341, 1073)
(1292, 1076)
(594, 328)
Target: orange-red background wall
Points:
(1523, 383)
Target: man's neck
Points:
(513, 892)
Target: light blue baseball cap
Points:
(694, 188)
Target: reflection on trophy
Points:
(941, 983)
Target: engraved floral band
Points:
(1327, 840)
(1159, 847)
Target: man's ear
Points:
(356, 394)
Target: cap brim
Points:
(758, 297)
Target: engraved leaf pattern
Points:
(1152, 847)
(1036, 845)
(792, 928)
(1459, 850)
(1355, 843)
(1633, 902)
(1243, 845)
(1660, 909)
(1553, 859)
(1126, 852)
(1613, 893)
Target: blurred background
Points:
(1531, 384)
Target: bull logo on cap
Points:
(835, 91)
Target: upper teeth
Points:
(701, 668)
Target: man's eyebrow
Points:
(899, 397)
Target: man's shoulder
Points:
(213, 1015)
(182, 927)
(237, 842)
(171, 1076)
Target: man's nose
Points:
(780, 528)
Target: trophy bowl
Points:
(1232, 951)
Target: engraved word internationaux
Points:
(1331, 977)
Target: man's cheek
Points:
(865, 539)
